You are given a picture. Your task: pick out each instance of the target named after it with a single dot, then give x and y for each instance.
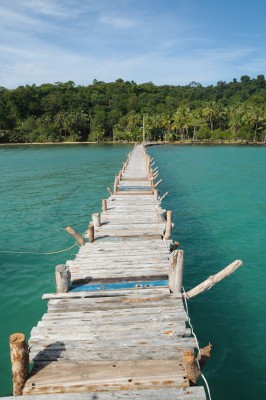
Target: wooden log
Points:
(168, 228)
(174, 246)
(156, 194)
(155, 176)
(104, 205)
(96, 218)
(109, 190)
(213, 279)
(192, 369)
(73, 233)
(204, 355)
(90, 233)
(157, 183)
(19, 355)
(164, 196)
(175, 277)
(62, 278)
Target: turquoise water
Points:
(218, 198)
(44, 189)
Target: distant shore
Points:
(179, 143)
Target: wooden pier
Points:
(117, 330)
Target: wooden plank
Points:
(106, 375)
(192, 393)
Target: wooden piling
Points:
(96, 218)
(90, 233)
(168, 228)
(104, 205)
(176, 268)
(62, 278)
(19, 355)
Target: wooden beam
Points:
(157, 183)
(109, 190)
(213, 279)
(164, 196)
(73, 233)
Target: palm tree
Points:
(210, 111)
(181, 120)
(255, 116)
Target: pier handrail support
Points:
(62, 278)
(213, 279)
(175, 275)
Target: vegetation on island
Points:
(114, 111)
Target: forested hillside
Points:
(114, 111)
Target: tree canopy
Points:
(114, 111)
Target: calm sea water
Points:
(218, 198)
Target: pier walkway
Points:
(118, 332)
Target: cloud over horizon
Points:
(170, 43)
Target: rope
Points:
(38, 253)
(197, 342)
(43, 253)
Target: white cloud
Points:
(117, 22)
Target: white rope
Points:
(38, 253)
(197, 342)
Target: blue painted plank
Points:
(118, 285)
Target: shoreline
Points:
(177, 143)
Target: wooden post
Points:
(90, 233)
(156, 194)
(213, 279)
(96, 218)
(168, 228)
(152, 185)
(175, 276)
(19, 355)
(155, 176)
(174, 246)
(62, 278)
(192, 369)
(104, 205)
(73, 233)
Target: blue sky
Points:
(163, 41)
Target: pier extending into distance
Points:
(117, 326)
